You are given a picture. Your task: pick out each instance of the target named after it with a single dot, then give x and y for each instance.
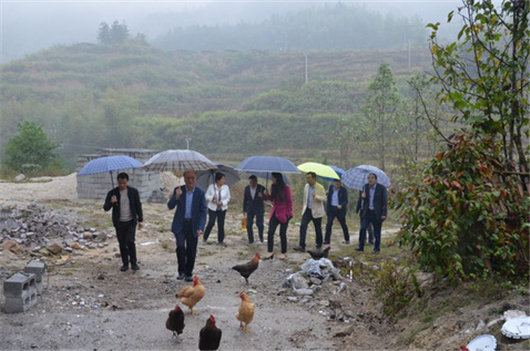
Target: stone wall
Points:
(97, 186)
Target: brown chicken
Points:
(318, 254)
(175, 321)
(210, 335)
(248, 268)
(246, 312)
(191, 295)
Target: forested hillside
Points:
(328, 27)
(132, 95)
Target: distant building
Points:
(96, 186)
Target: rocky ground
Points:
(88, 303)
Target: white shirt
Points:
(223, 194)
(125, 206)
(253, 192)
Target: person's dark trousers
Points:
(126, 232)
(369, 218)
(220, 216)
(259, 223)
(370, 230)
(340, 215)
(283, 234)
(186, 249)
(306, 218)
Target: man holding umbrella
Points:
(313, 210)
(126, 213)
(253, 206)
(188, 223)
(373, 206)
(336, 208)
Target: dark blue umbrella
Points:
(109, 164)
(264, 166)
(339, 172)
(268, 164)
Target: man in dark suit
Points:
(126, 213)
(188, 223)
(373, 206)
(336, 208)
(253, 206)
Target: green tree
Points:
(30, 150)
(467, 213)
(382, 109)
(485, 76)
(114, 34)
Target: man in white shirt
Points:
(126, 213)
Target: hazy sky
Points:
(30, 26)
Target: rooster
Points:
(246, 312)
(248, 268)
(191, 295)
(175, 321)
(210, 336)
(318, 254)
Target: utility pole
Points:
(305, 67)
(188, 139)
(409, 53)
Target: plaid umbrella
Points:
(109, 164)
(178, 161)
(355, 178)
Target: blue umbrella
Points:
(109, 164)
(356, 178)
(264, 166)
(205, 178)
(337, 170)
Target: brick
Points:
(19, 285)
(36, 267)
(19, 304)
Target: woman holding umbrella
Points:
(281, 213)
(217, 199)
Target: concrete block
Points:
(36, 267)
(20, 285)
(19, 304)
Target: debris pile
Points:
(45, 231)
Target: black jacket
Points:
(380, 201)
(256, 204)
(343, 198)
(134, 201)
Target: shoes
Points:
(299, 248)
(377, 251)
(281, 257)
(269, 256)
(319, 247)
(181, 276)
(346, 242)
(135, 267)
(370, 243)
(326, 243)
(124, 267)
(189, 278)
(359, 249)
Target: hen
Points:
(248, 268)
(246, 312)
(210, 336)
(175, 321)
(191, 295)
(318, 254)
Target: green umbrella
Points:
(319, 169)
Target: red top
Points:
(282, 209)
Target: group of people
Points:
(192, 206)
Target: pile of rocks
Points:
(45, 231)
